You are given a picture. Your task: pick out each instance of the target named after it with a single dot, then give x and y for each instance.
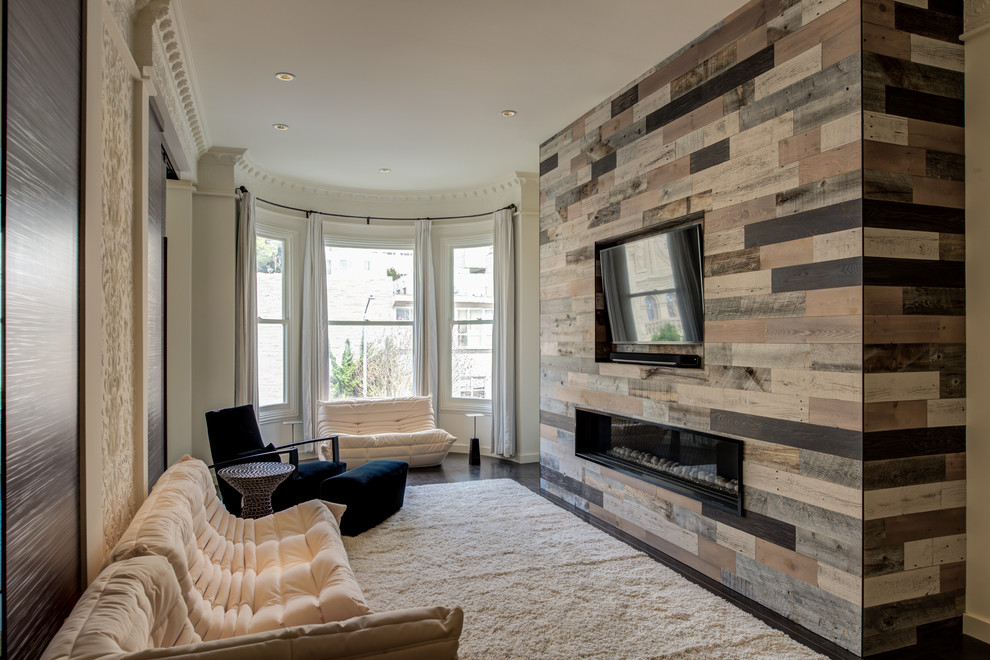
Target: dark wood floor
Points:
(455, 468)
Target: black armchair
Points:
(235, 438)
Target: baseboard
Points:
(976, 627)
(463, 448)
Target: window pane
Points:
(471, 361)
(270, 257)
(271, 364)
(471, 344)
(373, 292)
(371, 361)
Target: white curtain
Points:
(315, 344)
(503, 339)
(424, 316)
(246, 307)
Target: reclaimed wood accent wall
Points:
(914, 305)
(833, 306)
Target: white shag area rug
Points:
(538, 582)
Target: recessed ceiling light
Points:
(508, 113)
(285, 76)
(280, 127)
(384, 170)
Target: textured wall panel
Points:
(41, 445)
(119, 497)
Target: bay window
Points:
(369, 305)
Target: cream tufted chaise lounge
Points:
(397, 428)
(188, 579)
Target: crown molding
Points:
(223, 155)
(172, 29)
(252, 171)
(977, 17)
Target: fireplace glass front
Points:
(701, 465)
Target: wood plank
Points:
(840, 414)
(935, 135)
(886, 41)
(901, 500)
(846, 586)
(883, 300)
(952, 577)
(741, 331)
(910, 471)
(735, 540)
(752, 307)
(834, 302)
(800, 146)
(836, 21)
(900, 586)
(947, 412)
(899, 158)
(930, 524)
(918, 554)
(955, 466)
(916, 441)
(880, 127)
(792, 70)
(841, 499)
(847, 158)
(740, 215)
(790, 253)
(834, 469)
(936, 52)
(949, 549)
(818, 330)
(896, 215)
(880, 329)
(822, 275)
(939, 192)
(787, 561)
(900, 386)
(841, 131)
(824, 384)
(742, 284)
(900, 244)
(773, 455)
(888, 416)
(826, 220)
(883, 271)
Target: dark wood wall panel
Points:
(42, 555)
(157, 454)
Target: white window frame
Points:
(287, 229)
(348, 235)
(477, 234)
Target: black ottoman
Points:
(372, 492)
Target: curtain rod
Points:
(369, 218)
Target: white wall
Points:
(976, 621)
(212, 299)
(179, 276)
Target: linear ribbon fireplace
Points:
(700, 465)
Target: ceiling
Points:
(417, 86)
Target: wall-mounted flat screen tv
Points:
(653, 288)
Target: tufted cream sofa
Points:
(190, 580)
(398, 428)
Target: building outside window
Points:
(472, 307)
(370, 321)
(272, 321)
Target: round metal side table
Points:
(256, 482)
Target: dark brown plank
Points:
(893, 473)
(919, 217)
(822, 275)
(828, 440)
(880, 271)
(904, 443)
(837, 217)
(710, 156)
(928, 23)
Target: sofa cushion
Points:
(134, 611)
(364, 416)
(131, 606)
(241, 576)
